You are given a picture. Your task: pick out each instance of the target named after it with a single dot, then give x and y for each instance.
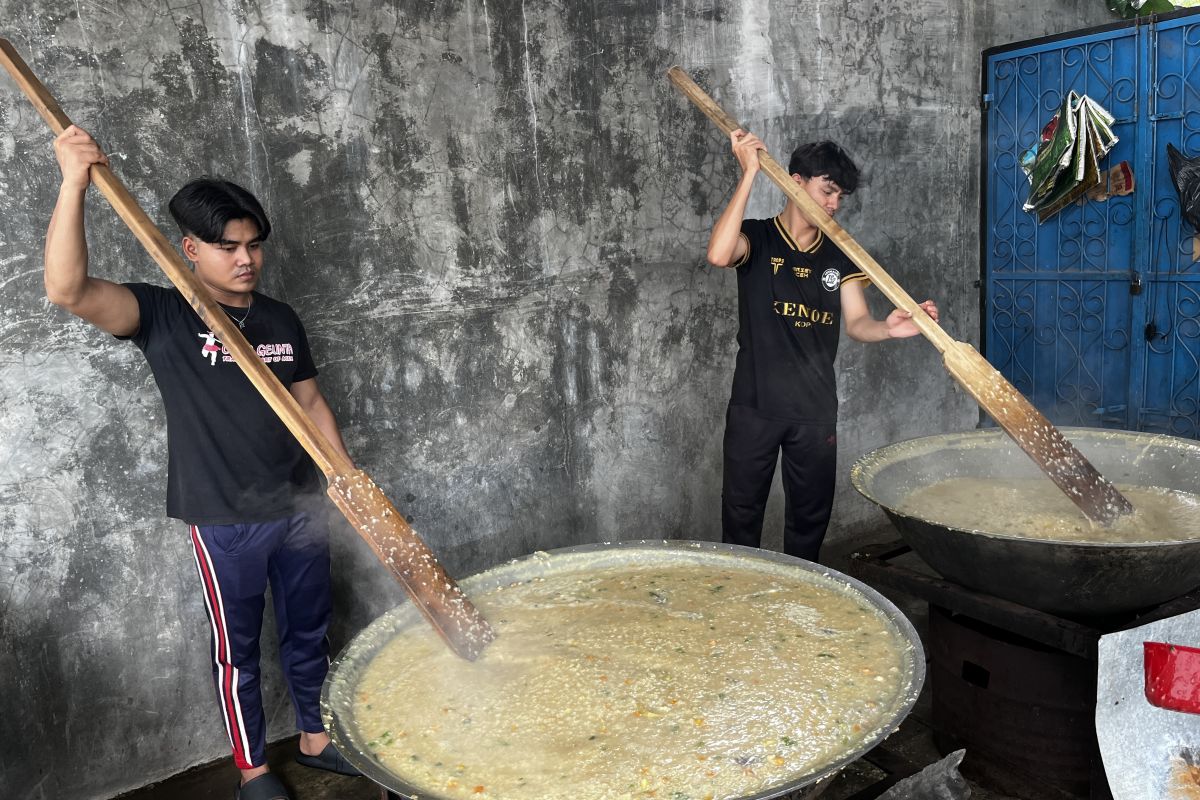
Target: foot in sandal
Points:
(264, 787)
(328, 759)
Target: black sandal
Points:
(329, 760)
(264, 787)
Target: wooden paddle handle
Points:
(353, 492)
(815, 214)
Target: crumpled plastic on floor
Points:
(941, 780)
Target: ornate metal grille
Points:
(1095, 314)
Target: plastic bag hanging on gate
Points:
(1185, 174)
(1065, 163)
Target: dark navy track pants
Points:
(236, 563)
(751, 447)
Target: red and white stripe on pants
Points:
(227, 673)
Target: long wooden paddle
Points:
(352, 490)
(1044, 443)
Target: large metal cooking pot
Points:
(338, 694)
(1062, 577)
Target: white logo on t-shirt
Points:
(210, 348)
(831, 279)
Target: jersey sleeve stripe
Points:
(745, 256)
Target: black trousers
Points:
(752, 446)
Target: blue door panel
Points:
(1169, 394)
(1058, 313)
(1095, 314)
(1059, 350)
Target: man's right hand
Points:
(76, 152)
(745, 149)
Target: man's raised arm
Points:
(107, 305)
(725, 245)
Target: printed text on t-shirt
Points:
(269, 353)
(801, 315)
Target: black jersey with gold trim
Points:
(789, 322)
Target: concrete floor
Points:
(216, 781)
(912, 742)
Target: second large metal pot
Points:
(1073, 578)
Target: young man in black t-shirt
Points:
(795, 287)
(235, 474)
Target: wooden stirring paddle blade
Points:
(353, 492)
(437, 596)
(1058, 458)
(1045, 444)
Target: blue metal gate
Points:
(1094, 313)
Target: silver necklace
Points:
(241, 323)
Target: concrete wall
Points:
(492, 218)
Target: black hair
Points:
(825, 159)
(203, 207)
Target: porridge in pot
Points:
(682, 681)
(1035, 508)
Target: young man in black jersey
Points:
(235, 474)
(794, 289)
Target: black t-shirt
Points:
(789, 321)
(230, 459)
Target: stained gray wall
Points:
(492, 218)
